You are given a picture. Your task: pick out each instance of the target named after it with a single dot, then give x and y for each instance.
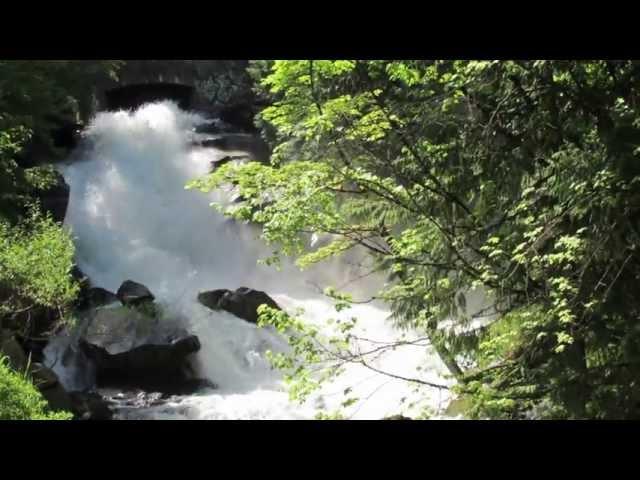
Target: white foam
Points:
(133, 219)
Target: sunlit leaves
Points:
(35, 263)
(516, 177)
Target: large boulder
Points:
(163, 368)
(211, 299)
(133, 293)
(118, 329)
(95, 297)
(242, 303)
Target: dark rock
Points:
(80, 276)
(55, 198)
(242, 303)
(196, 384)
(125, 402)
(132, 96)
(212, 298)
(209, 127)
(38, 321)
(43, 377)
(214, 127)
(133, 293)
(120, 328)
(58, 398)
(11, 348)
(240, 115)
(33, 347)
(50, 387)
(224, 160)
(67, 135)
(150, 367)
(253, 145)
(397, 417)
(90, 406)
(96, 297)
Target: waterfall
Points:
(131, 218)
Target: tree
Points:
(35, 95)
(36, 255)
(516, 178)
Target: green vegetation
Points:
(519, 179)
(36, 257)
(35, 95)
(20, 400)
(516, 179)
(36, 254)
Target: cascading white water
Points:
(132, 218)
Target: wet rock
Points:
(133, 293)
(96, 297)
(134, 399)
(91, 406)
(152, 367)
(253, 145)
(118, 328)
(43, 377)
(242, 303)
(211, 298)
(213, 127)
(215, 164)
(50, 387)
(80, 276)
(58, 398)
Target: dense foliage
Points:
(20, 400)
(34, 95)
(36, 254)
(516, 179)
(36, 257)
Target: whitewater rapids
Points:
(131, 218)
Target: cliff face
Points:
(216, 83)
(134, 95)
